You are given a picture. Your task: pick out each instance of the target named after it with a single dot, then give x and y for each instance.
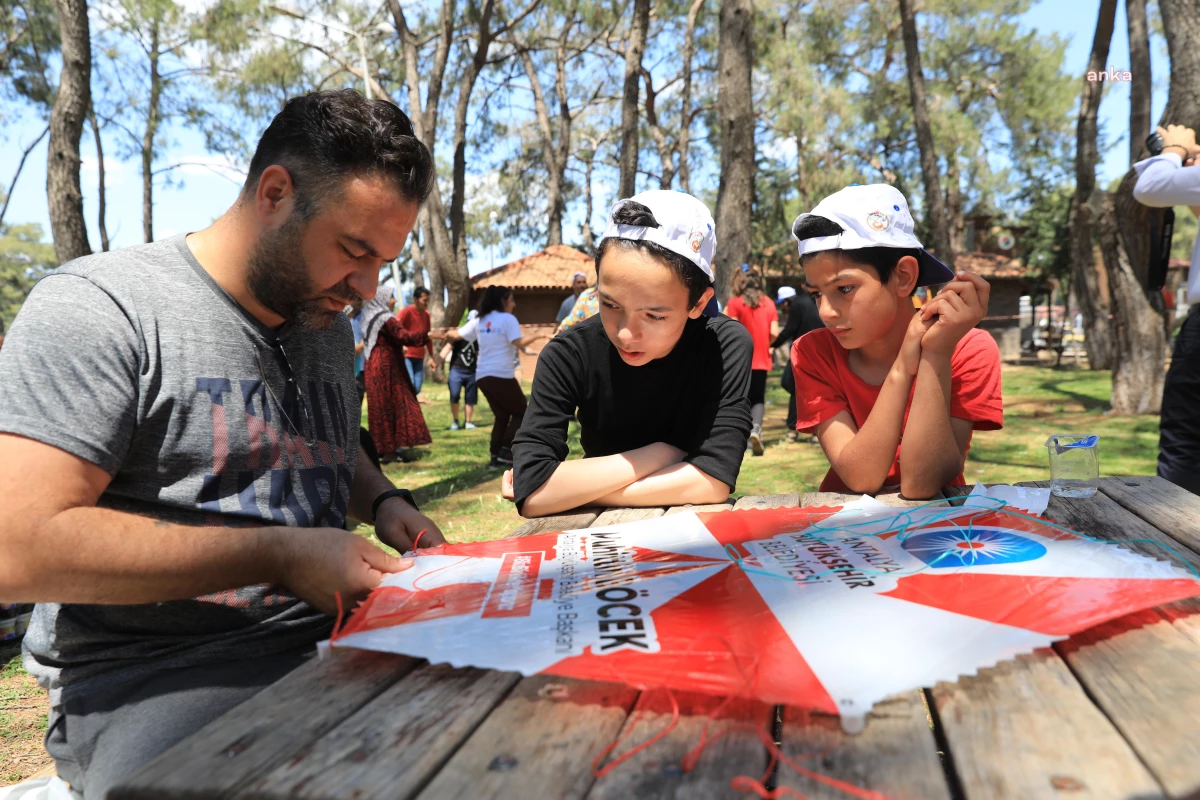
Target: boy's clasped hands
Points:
(940, 324)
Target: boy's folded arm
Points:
(937, 442)
(863, 457)
(583, 481)
(678, 484)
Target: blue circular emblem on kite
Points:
(978, 547)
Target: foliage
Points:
(23, 259)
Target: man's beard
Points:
(279, 278)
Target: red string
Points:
(416, 541)
(337, 621)
(600, 773)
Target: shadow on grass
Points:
(460, 481)
(1089, 402)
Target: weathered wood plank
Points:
(700, 509)
(895, 755)
(540, 742)
(559, 522)
(267, 729)
(615, 516)
(657, 772)
(1141, 669)
(892, 499)
(768, 501)
(391, 748)
(1169, 508)
(1025, 728)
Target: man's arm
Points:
(397, 524)
(58, 547)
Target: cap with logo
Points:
(785, 293)
(872, 216)
(684, 227)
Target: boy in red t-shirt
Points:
(762, 321)
(881, 371)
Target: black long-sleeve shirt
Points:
(802, 318)
(695, 398)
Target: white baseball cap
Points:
(684, 226)
(872, 216)
(785, 293)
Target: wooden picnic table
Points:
(1111, 712)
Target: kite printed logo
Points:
(979, 547)
(513, 592)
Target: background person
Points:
(578, 285)
(802, 317)
(498, 334)
(463, 356)
(1173, 179)
(761, 319)
(415, 320)
(393, 414)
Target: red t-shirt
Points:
(758, 322)
(825, 385)
(415, 321)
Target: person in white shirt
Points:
(499, 335)
(1172, 178)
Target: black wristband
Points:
(403, 494)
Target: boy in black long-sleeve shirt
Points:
(802, 317)
(661, 390)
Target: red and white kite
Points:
(827, 608)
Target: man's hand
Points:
(1179, 136)
(320, 563)
(506, 486)
(909, 358)
(397, 524)
(959, 306)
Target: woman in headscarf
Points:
(393, 415)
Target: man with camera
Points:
(1172, 178)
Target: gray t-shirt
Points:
(137, 361)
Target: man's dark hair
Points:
(631, 213)
(419, 292)
(323, 138)
(881, 259)
(493, 299)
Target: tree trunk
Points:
(1081, 220)
(1139, 340)
(954, 205)
(634, 50)
(589, 241)
(735, 115)
(102, 201)
(448, 285)
(148, 136)
(935, 209)
(1139, 66)
(556, 154)
(63, 193)
(1138, 314)
(685, 138)
(466, 86)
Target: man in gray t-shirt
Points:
(179, 444)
